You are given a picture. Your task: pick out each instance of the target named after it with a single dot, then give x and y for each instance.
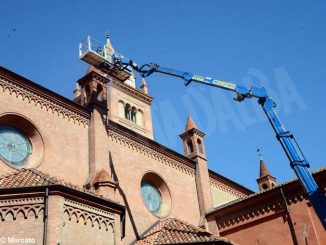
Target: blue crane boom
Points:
(298, 162)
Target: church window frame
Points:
(199, 146)
(121, 108)
(160, 191)
(140, 117)
(33, 138)
(190, 147)
(128, 111)
(133, 114)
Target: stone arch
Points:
(190, 147)
(128, 111)
(110, 228)
(121, 108)
(100, 92)
(66, 212)
(89, 219)
(9, 214)
(21, 213)
(140, 117)
(103, 225)
(133, 114)
(74, 214)
(96, 224)
(199, 146)
(82, 219)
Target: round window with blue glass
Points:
(15, 147)
(151, 197)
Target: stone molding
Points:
(225, 188)
(24, 201)
(41, 100)
(127, 123)
(89, 215)
(150, 153)
(249, 213)
(24, 206)
(132, 91)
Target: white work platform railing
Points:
(100, 56)
(93, 52)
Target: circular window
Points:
(21, 144)
(156, 195)
(151, 197)
(15, 148)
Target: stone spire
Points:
(265, 180)
(108, 46)
(190, 123)
(263, 169)
(193, 143)
(143, 86)
(77, 91)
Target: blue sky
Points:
(276, 44)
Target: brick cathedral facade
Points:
(88, 171)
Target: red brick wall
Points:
(65, 142)
(77, 232)
(130, 165)
(21, 227)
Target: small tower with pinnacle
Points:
(143, 86)
(265, 180)
(193, 142)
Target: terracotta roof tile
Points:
(32, 177)
(175, 231)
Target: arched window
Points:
(121, 107)
(199, 146)
(265, 186)
(133, 114)
(99, 92)
(139, 118)
(128, 112)
(190, 147)
(87, 94)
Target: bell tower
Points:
(116, 91)
(193, 143)
(265, 180)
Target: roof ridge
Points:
(16, 171)
(174, 230)
(192, 226)
(51, 179)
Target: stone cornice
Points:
(226, 188)
(64, 191)
(89, 215)
(25, 210)
(223, 182)
(37, 95)
(154, 150)
(150, 148)
(191, 132)
(119, 84)
(132, 91)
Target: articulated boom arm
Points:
(97, 56)
(297, 160)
